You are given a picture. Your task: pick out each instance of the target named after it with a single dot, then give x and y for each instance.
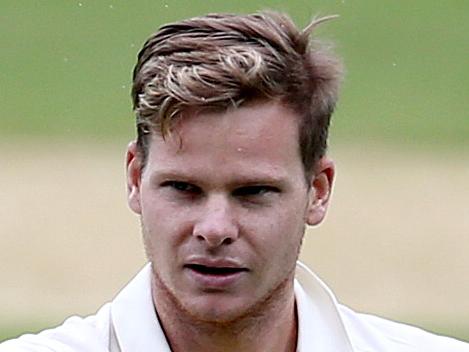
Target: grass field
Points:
(398, 228)
(66, 66)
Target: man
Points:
(228, 168)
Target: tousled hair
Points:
(220, 61)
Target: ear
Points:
(320, 191)
(133, 166)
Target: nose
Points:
(216, 225)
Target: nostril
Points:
(215, 231)
(218, 240)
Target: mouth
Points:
(215, 274)
(214, 271)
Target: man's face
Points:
(223, 204)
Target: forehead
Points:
(261, 136)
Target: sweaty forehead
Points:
(256, 139)
(253, 128)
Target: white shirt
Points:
(129, 324)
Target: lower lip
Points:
(209, 281)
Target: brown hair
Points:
(220, 61)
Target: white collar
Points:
(134, 319)
(320, 327)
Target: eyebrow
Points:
(244, 180)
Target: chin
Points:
(200, 307)
(217, 310)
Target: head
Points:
(232, 113)
(217, 62)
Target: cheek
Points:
(166, 227)
(293, 228)
(277, 235)
(160, 244)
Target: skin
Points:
(227, 187)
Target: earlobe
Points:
(133, 167)
(320, 191)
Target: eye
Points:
(253, 191)
(183, 187)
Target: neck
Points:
(271, 327)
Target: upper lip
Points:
(215, 262)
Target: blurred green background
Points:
(66, 72)
(66, 65)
